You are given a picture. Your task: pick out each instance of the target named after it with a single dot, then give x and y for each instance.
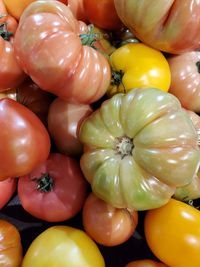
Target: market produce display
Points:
(100, 133)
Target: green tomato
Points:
(139, 147)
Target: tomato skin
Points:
(170, 26)
(141, 67)
(175, 226)
(10, 245)
(66, 247)
(21, 133)
(102, 14)
(65, 194)
(60, 64)
(7, 189)
(185, 82)
(64, 120)
(145, 263)
(105, 224)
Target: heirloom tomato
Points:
(102, 14)
(64, 120)
(106, 224)
(139, 147)
(63, 246)
(170, 26)
(11, 74)
(24, 140)
(55, 190)
(7, 189)
(185, 79)
(136, 65)
(10, 245)
(145, 263)
(54, 49)
(173, 234)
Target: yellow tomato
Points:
(136, 65)
(63, 246)
(173, 234)
(16, 7)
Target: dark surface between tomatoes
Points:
(118, 256)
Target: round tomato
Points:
(145, 263)
(102, 14)
(10, 245)
(63, 246)
(136, 65)
(170, 26)
(173, 234)
(11, 74)
(77, 9)
(185, 79)
(64, 120)
(49, 48)
(107, 225)
(24, 140)
(55, 190)
(7, 189)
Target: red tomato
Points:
(10, 245)
(49, 48)
(77, 9)
(145, 263)
(63, 123)
(55, 190)
(102, 14)
(7, 189)
(11, 74)
(107, 225)
(24, 141)
(185, 79)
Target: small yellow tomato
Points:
(136, 65)
(63, 246)
(15, 7)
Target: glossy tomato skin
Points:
(102, 14)
(64, 120)
(175, 226)
(10, 245)
(133, 144)
(55, 190)
(107, 225)
(146, 263)
(11, 74)
(7, 189)
(25, 142)
(63, 246)
(60, 63)
(185, 79)
(170, 26)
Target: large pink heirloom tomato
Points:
(139, 147)
(49, 48)
(168, 25)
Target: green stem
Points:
(4, 33)
(198, 66)
(45, 183)
(91, 37)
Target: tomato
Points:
(170, 26)
(7, 189)
(10, 245)
(24, 141)
(64, 120)
(145, 263)
(185, 84)
(63, 246)
(55, 190)
(11, 74)
(107, 225)
(77, 9)
(136, 65)
(102, 14)
(172, 230)
(139, 147)
(60, 63)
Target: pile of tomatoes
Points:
(99, 139)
